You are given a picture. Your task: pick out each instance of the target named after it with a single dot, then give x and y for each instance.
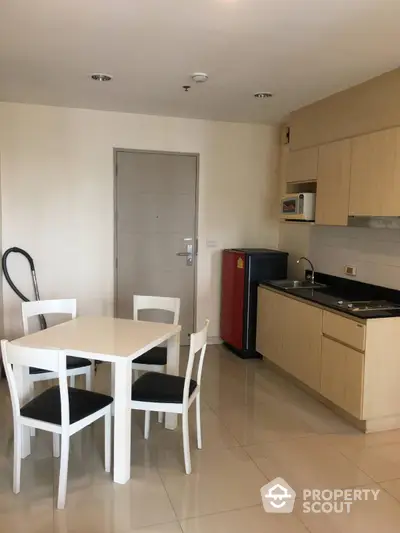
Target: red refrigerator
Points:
(242, 271)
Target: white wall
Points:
(57, 197)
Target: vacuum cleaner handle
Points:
(18, 251)
(7, 275)
(15, 249)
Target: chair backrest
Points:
(162, 303)
(52, 360)
(198, 343)
(47, 307)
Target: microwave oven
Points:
(298, 206)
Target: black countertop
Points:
(341, 289)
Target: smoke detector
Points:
(199, 77)
(101, 77)
(263, 95)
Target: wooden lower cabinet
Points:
(342, 376)
(270, 325)
(346, 331)
(302, 342)
(333, 372)
(353, 364)
(354, 393)
(289, 335)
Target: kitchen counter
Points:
(341, 289)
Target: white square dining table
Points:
(118, 341)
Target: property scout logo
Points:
(279, 497)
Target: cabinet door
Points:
(269, 325)
(332, 207)
(354, 393)
(375, 174)
(302, 165)
(333, 368)
(342, 376)
(344, 330)
(302, 342)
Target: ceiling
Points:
(300, 50)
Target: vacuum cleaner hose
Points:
(7, 275)
(15, 249)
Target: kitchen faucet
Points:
(311, 266)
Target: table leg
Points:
(122, 420)
(24, 386)
(112, 372)
(171, 419)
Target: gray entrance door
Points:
(156, 221)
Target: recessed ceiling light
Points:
(101, 77)
(263, 95)
(199, 77)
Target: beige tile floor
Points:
(256, 426)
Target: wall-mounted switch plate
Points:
(350, 270)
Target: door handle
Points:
(188, 254)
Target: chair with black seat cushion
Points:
(76, 366)
(174, 394)
(155, 359)
(61, 410)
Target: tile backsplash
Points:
(374, 252)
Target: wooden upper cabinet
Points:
(333, 183)
(375, 174)
(302, 165)
(283, 161)
(371, 106)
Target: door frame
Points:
(196, 219)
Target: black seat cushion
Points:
(82, 403)
(160, 388)
(155, 356)
(72, 364)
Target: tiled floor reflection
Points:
(256, 426)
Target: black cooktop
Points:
(367, 305)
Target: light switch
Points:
(211, 244)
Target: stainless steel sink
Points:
(296, 284)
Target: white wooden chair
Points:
(155, 360)
(76, 366)
(174, 394)
(61, 410)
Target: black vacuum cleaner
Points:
(15, 249)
